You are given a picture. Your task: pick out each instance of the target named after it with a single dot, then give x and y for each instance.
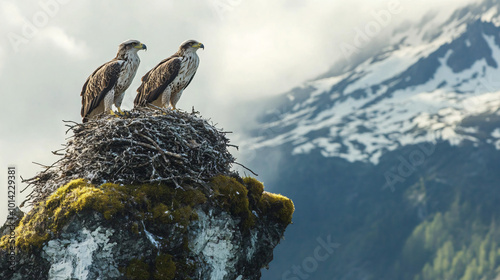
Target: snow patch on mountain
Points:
(387, 101)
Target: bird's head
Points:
(191, 46)
(128, 47)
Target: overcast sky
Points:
(253, 49)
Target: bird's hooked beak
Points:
(199, 45)
(141, 47)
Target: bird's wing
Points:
(156, 80)
(98, 84)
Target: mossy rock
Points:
(146, 201)
(255, 190)
(162, 209)
(245, 197)
(233, 197)
(161, 204)
(278, 206)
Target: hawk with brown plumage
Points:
(163, 85)
(107, 85)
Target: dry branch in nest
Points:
(147, 146)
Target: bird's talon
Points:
(120, 112)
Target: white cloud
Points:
(11, 14)
(58, 38)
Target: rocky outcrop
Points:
(207, 227)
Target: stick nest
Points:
(147, 146)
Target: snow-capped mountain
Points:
(432, 77)
(423, 117)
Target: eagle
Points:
(163, 85)
(107, 85)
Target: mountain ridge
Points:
(395, 158)
(338, 114)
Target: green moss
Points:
(171, 205)
(231, 193)
(30, 233)
(241, 199)
(42, 222)
(184, 215)
(4, 240)
(233, 197)
(162, 213)
(74, 197)
(165, 267)
(274, 205)
(78, 195)
(169, 195)
(277, 206)
(255, 189)
(137, 270)
(110, 201)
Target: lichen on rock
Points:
(201, 227)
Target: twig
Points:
(246, 168)
(160, 149)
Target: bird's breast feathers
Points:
(127, 74)
(189, 64)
